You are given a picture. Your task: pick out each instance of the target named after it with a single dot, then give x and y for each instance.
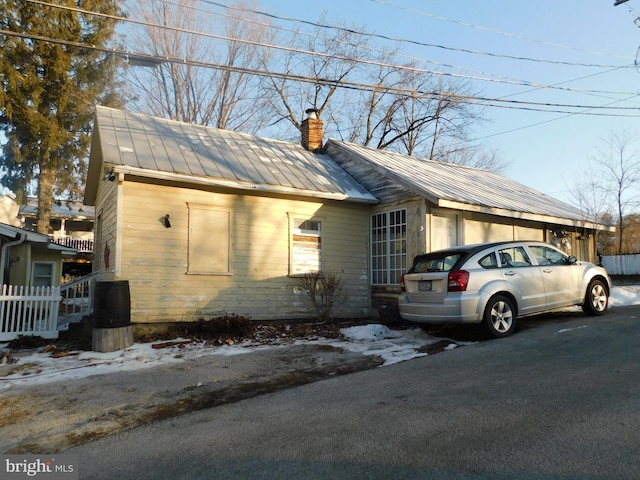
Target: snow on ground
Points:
(392, 346)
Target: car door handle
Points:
(510, 273)
(547, 270)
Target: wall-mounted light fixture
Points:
(109, 174)
(166, 221)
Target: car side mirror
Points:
(572, 259)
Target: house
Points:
(30, 258)
(71, 226)
(205, 222)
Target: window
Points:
(209, 244)
(388, 247)
(514, 257)
(435, 263)
(306, 246)
(489, 261)
(548, 256)
(42, 274)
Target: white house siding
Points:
(479, 228)
(106, 229)
(155, 258)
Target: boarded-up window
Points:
(209, 234)
(306, 246)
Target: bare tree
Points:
(589, 194)
(312, 56)
(619, 166)
(224, 98)
(365, 97)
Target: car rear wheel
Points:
(596, 299)
(500, 316)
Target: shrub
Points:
(323, 289)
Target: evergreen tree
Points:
(50, 84)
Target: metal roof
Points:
(66, 209)
(15, 233)
(461, 187)
(149, 146)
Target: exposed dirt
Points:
(53, 417)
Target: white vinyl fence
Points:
(29, 311)
(622, 264)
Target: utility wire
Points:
(491, 30)
(413, 42)
(496, 78)
(471, 99)
(332, 55)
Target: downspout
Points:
(4, 253)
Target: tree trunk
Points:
(45, 198)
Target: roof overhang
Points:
(246, 186)
(15, 233)
(567, 222)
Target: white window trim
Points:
(295, 218)
(53, 271)
(387, 240)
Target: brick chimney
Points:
(312, 131)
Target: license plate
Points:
(424, 285)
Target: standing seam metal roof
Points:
(438, 181)
(151, 143)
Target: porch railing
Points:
(76, 300)
(81, 244)
(29, 311)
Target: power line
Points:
(331, 55)
(471, 99)
(414, 42)
(492, 30)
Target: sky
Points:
(547, 150)
(393, 346)
(514, 50)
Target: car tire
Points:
(500, 316)
(596, 299)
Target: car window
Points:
(489, 261)
(514, 257)
(548, 256)
(440, 263)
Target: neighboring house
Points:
(29, 258)
(71, 226)
(205, 222)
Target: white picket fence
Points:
(29, 311)
(44, 311)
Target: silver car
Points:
(497, 282)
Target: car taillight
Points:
(402, 289)
(458, 281)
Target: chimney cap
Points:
(312, 113)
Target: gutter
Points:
(5, 252)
